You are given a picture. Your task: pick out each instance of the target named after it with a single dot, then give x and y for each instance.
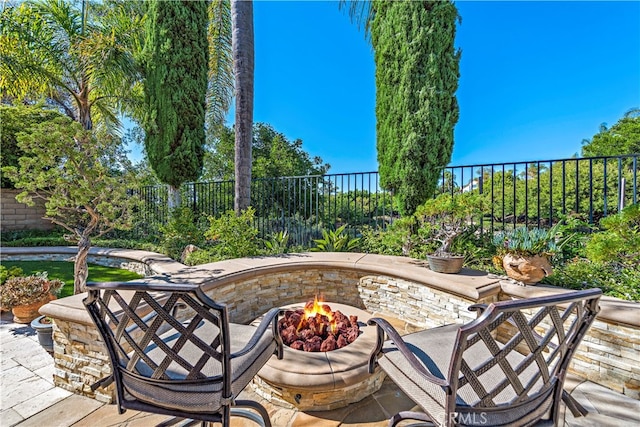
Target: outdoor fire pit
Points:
(317, 328)
(316, 380)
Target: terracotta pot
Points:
(26, 313)
(527, 269)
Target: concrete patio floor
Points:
(29, 398)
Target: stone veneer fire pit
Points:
(322, 381)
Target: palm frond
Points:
(221, 83)
(360, 12)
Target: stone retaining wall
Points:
(609, 355)
(16, 216)
(81, 359)
(250, 287)
(415, 303)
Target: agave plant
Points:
(278, 243)
(529, 242)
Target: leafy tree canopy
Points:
(273, 156)
(15, 119)
(83, 64)
(621, 138)
(83, 180)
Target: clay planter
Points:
(26, 313)
(445, 264)
(527, 269)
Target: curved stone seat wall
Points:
(401, 287)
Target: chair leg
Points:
(262, 416)
(574, 406)
(408, 415)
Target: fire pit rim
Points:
(321, 370)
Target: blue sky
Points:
(536, 78)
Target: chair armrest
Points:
(480, 308)
(270, 320)
(385, 327)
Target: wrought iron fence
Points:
(536, 193)
(541, 192)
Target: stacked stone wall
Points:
(608, 355)
(248, 299)
(81, 359)
(415, 303)
(16, 216)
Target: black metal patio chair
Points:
(506, 368)
(174, 352)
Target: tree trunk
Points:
(80, 268)
(174, 199)
(243, 62)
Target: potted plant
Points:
(25, 295)
(525, 252)
(444, 219)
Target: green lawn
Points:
(63, 270)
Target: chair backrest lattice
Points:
(516, 351)
(148, 333)
(127, 326)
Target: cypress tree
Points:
(175, 89)
(417, 71)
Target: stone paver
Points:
(15, 392)
(41, 402)
(10, 417)
(63, 414)
(106, 415)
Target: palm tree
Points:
(243, 61)
(79, 62)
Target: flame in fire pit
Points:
(317, 328)
(315, 309)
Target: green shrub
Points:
(614, 279)
(478, 250)
(384, 242)
(620, 239)
(336, 241)
(32, 238)
(278, 243)
(229, 236)
(575, 232)
(182, 229)
(8, 273)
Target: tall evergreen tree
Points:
(417, 71)
(175, 90)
